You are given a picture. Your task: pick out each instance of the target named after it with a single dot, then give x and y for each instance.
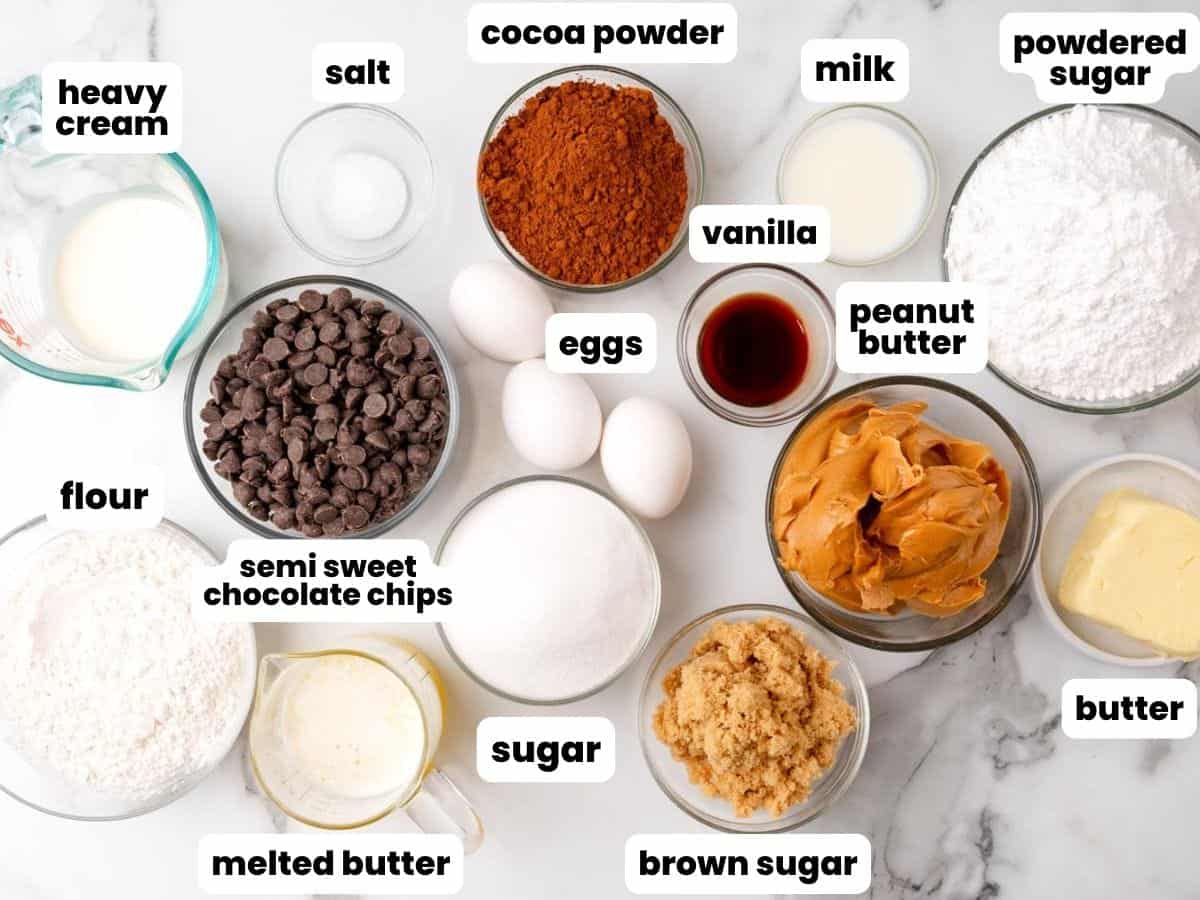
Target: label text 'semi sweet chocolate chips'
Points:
(331, 416)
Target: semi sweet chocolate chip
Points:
(287, 313)
(373, 407)
(330, 417)
(355, 517)
(315, 374)
(310, 301)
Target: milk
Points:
(124, 272)
(869, 175)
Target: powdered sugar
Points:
(104, 677)
(1088, 224)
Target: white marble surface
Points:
(969, 789)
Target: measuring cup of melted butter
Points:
(111, 264)
(341, 738)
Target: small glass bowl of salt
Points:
(354, 184)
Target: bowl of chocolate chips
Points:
(321, 406)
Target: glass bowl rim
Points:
(826, 310)
(192, 781)
(923, 147)
(1028, 555)
(258, 296)
(374, 109)
(652, 625)
(854, 682)
(691, 142)
(1190, 379)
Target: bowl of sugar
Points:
(568, 595)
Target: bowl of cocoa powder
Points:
(586, 178)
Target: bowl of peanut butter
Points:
(903, 513)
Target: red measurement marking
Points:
(12, 333)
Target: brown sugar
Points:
(587, 182)
(755, 715)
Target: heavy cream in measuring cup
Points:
(124, 273)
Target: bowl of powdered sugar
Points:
(1083, 225)
(113, 700)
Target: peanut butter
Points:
(879, 510)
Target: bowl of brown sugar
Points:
(753, 719)
(586, 178)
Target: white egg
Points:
(647, 456)
(500, 311)
(553, 420)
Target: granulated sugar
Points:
(574, 586)
(104, 676)
(1088, 225)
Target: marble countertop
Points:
(969, 788)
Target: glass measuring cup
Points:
(42, 195)
(341, 738)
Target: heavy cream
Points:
(125, 274)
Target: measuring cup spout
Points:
(147, 379)
(270, 667)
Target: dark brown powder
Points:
(587, 182)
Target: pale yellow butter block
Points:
(1136, 568)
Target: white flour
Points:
(1088, 223)
(104, 677)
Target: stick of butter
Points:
(1136, 568)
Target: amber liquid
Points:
(753, 349)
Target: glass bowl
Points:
(656, 600)
(811, 306)
(226, 338)
(892, 120)
(303, 171)
(672, 776)
(1189, 138)
(961, 413)
(685, 133)
(48, 793)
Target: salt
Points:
(578, 583)
(365, 196)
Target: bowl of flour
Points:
(113, 701)
(1082, 223)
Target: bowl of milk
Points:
(112, 265)
(874, 172)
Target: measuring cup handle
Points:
(20, 112)
(439, 807)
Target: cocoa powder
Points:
(587, 182)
